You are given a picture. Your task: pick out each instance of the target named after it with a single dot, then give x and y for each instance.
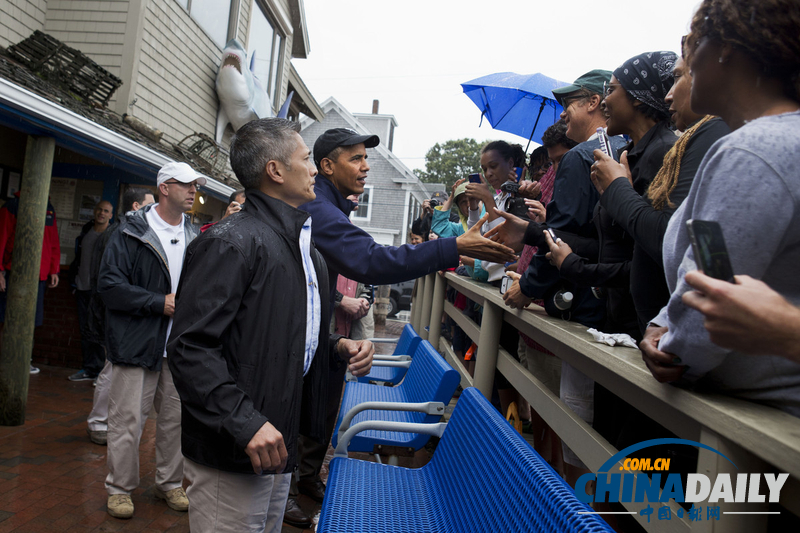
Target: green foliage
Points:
(450, 161)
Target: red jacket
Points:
(51, 248)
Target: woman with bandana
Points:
(634, 105)
(645, 217)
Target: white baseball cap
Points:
(179, 172)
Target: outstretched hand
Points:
(511, 232)
(473, 244)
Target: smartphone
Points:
(475, 178)
(605, 142)
(505, 284)
(518, 170)
(710, 252)
(552, 235)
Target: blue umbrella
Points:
(520, 104)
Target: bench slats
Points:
(482, 477)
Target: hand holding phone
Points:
(710, 252)
(605, 142)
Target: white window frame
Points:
(369, 190)
(233, 11)
(279, 30)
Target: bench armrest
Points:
(384, 357)
(430, 408)
(402, 361)
(383, 340)
(436, 429)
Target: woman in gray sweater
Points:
(745, 59)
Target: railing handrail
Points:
(771, 435)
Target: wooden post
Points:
(416, 305)
(381, 304)
(487, 348)
(437, 306)
(17, 343)
(427, 298)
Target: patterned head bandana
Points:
(648, 78)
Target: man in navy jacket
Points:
(341, 158)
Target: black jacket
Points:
(75, 266)
(613, 269)
(238, 340)
(635, 214)
(133, 282)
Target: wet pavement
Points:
(52, 476)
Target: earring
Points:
(721, 60)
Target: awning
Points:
(25, 111)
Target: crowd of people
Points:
(239, 335)
(705, 135)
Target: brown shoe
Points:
(120, 506)
(313, 488)
(294, 515)
(176, 498)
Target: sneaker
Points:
(34, 370)
(176, 498)
(120, 506)
(98, 437)
(81, 375)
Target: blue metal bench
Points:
(421, 397)
(387, 372)
(483, 477)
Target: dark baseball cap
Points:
(336, 137)
(591, 81)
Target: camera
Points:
(510, 188)
(514, 205)
(433, 202)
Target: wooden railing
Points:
(754, 437)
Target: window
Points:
(212, 16)
(364, 210)
(267, 43)
(414, 210)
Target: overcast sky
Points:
(412, 55)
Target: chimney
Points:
(375, 107)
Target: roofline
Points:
(310, 103)
(376, 115)
(45, 112)
(301, 46)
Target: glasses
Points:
(182, 184)
(608, 88)
(567, 100)
(546, 166)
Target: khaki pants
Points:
(98, 418)
(364, 327)
(134, 392)
(230, 502)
